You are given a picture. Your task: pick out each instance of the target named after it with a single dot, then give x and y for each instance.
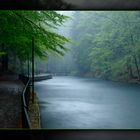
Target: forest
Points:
(19, 28)
(100, 44)
(105, 44)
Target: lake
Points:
(68, 102)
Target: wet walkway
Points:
(10, 101)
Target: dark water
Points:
(72, 102)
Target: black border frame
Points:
(71, 134)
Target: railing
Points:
(26, 123)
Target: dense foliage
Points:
(19, 27)
(107, 44)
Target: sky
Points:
(104, 3)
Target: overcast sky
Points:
(105, 3)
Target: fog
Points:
(90, 88)
(97, 48)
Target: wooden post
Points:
(33, 49)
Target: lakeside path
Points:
(10, 101)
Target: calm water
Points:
(73, 102)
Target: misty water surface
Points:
(73, 102)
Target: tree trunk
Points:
(137, 67)
(21, 67)
(4, 60)
(4, 63)
(130, 71)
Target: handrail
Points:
(26, 123)
(23, 93)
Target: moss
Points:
(34, 113)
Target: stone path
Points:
(10, 101)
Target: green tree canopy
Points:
(107, 43)
(18, 28)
